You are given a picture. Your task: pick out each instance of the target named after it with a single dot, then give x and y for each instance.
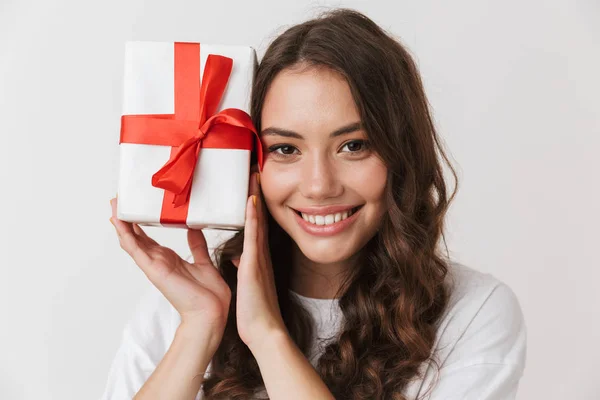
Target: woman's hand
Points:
(197, 290)
(258, 314)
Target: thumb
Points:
(198, 246)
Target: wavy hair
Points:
(392, 302)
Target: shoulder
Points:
(483, 322)
(481, 341)
(145, 339)
(154, 320)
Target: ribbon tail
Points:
(184, 197)
(176, 175)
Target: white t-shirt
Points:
(480, 344)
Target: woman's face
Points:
(320, 180)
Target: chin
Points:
(325, 252)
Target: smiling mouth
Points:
(328, 219)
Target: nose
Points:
(320, 178)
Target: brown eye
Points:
(287, 149)
(356, 146)
(282, 150)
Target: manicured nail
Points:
(112, 222)
(254, 199)
(258, 178)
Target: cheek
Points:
(370, 181)
(277, 185)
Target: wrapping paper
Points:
(186, 135)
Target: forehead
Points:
(309, 100)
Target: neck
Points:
(316, 280)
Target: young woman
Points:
(336, 288)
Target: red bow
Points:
(194, 119)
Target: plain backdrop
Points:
(514, 89)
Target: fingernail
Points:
(111, 221)
(254, 199)
(258, 178)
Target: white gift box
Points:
(219, 187)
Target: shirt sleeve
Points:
(144, 342)
(488, 360)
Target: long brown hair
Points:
(393, 301)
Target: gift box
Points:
(186, 135)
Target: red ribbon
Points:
(188, 129)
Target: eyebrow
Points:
(353, 127)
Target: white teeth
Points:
(326, 219)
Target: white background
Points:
(514, 88)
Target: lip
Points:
(326, 230)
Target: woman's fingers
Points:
(128, 239)
(143, 235)
(198, 246)
(262, 236)
(251, 223)
(130, 243)
(250, 230)
(261, 213)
